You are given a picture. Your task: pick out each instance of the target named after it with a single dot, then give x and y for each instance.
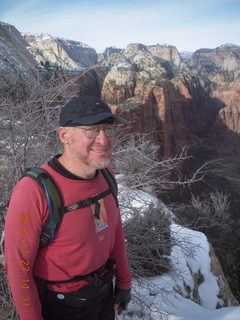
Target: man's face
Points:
(90, 148)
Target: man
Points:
(44, 281)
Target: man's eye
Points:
(108, 128)
(92, 130)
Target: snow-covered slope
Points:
(190, 290)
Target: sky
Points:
(189, 25)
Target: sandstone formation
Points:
(168, 53)
(166, 101)
(227, 125)
(109, 51)
(220, 63)
(220, 69)
(188, 104)
(65, 53)
(17, 65)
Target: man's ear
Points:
(64, 134)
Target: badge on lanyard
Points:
(100, 215)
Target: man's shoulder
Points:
(26, 182)
(25, 189)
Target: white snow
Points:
(38, 36)
(198, 261)
(229, 45)
(5, 24)
(122, 65)
(160, 294)
(75, 43)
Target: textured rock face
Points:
(172, 106)
(110, 50)
(65, 53)
(169, 53)
(141, 58)
(119, 83)
(221, 66)
(79, 52)
(227, 126)
(222, 63)
(128, 71)
(229, 116)
(186, 106)
(16, 63)
(225, 292)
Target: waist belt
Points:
(93, 277)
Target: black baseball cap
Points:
(87, 110)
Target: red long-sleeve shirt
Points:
(81, 245)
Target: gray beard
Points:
(84, 159)
(102, 165)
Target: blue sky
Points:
(187, 24)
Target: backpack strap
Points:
(94, 200)
(54, 200)
(111, 182)
(87, 202)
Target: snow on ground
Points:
(196, 255)
(160, 294)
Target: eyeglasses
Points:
(93, 132)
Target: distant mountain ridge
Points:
(229, 45)
(77, 55)
(32, 37)
(68, 54)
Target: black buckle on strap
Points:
(95, 280)
(87, 202)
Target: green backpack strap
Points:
(111, 182)
(55, 203)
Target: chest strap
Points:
(87, 202)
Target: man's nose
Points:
(102, 138)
